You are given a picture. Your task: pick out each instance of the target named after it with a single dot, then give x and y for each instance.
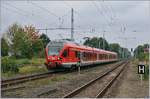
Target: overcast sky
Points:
(124, 22)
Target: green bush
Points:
(9, 65)
(146, 75)
(23, 61)
(26, 61)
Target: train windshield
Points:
(54, 47)
(54, 50)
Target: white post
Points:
(141, 76)
(79, 69)
(79, 64)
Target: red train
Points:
(65, 54)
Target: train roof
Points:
(71, 44)
(79, 46)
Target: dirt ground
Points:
(129, 85)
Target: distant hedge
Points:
(9, 64)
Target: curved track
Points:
(82, 91)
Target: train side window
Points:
(65, 53)
(103, 56)
(84, 54)
(77, 54)
(100, 56)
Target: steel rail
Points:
(104, 90)
(17, 80)
(12, 88)
(13, 81)
(79, 89)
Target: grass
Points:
(25, 70)
(146, 75)
(37, 61)
(28, 69)
(27, 66)
(33, 61)
(8, 74)
(22, 61)
(47, 81)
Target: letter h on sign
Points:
(141, 69)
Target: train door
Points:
(77, 55)
(65, 55)
(72, 55)
(68, 55)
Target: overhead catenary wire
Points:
(108, 14)
(24, 13)
(80, 16)
(105, 10)
(17, 12)
(60, 19)
(113, 16)
(44, 9)
(6, 3)
(27, 15)
(100, 12)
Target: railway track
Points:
(6, 84)
(97, 87)
(14, 81)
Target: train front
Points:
(53, 50)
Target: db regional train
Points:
(67, 54)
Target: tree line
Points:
(101, 43)
(27, 42)
(141, 52)
(23, 42)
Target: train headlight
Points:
(58, 58)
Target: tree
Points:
(146, 45)
(97, 43)
(115, 47)
(20, 46)
(4, 47)
(122, 52)
(141, 52)
(34, 37)
(44, 39)
(37, 48)
(25, 41)
(138, 50)
(32, 32)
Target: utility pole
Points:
(103, 39)
(46, 31)
(72, 25)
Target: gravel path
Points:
(128, 85)
(92, 90)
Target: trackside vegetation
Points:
(141, 53)
(22, 46)
(23, 50)
(101, 43)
